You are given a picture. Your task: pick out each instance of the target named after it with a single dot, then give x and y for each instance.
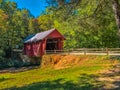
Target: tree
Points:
(45, 22)
(34, 26)
(116, 9)
(13, 26)
(88, 22)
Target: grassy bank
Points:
(78, 76)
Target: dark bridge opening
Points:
(51, 44)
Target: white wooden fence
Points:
(87, 51)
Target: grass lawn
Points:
(76, 77)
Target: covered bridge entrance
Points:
(35, 45)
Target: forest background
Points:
(84, 23)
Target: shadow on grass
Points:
(84, 82)
(117, 83)
(113, 78)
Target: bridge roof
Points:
(38, 36)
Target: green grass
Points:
(81, 77)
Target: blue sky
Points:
(35, 6)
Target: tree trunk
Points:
(116, 9)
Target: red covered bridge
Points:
(36, 44)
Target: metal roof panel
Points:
(38, 36)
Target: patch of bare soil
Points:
(110, 79)
(66, 61)
(15, 70)
(59, 61)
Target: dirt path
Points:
(110, 79)
(15, 70)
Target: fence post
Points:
(107, 51)
(68, 51)
(55, 51)
(84, 51)
(45, 52)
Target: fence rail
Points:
(87, 51)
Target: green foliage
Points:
(1, 56)
(15, 25)
(88, 23)
(45, 22)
